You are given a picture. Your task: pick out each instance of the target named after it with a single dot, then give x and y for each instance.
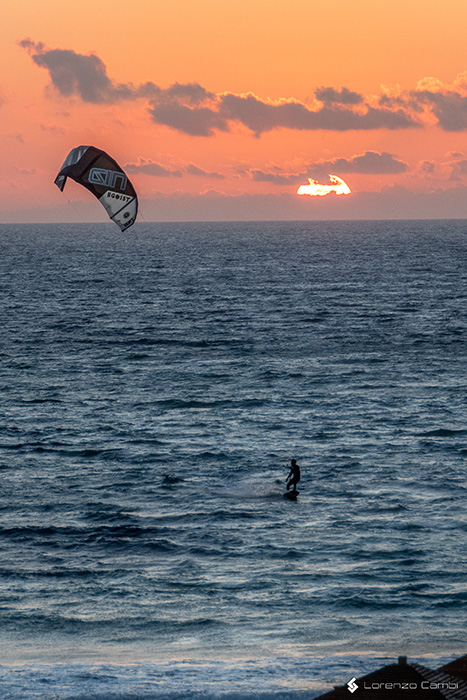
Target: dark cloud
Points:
(428, 167)
(449, 108)
(448, 104)
(32, 46)
(261, 116)
(459, 170)
(194, 170)
(182, 107)
(191, 93)
(369, 163)
(344, 96)
(276, 178)
(195, 121)
(147, 167)
(150, 168)
(193, 110)
(189, 108)
(76, 74)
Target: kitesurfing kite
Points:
(101, 175)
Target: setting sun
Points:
(316, 189)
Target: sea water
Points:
(155, 386)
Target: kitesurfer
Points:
(294, 475)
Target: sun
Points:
(316, 189)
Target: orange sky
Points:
(286, 91)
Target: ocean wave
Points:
(184, 404)
(444, 432)
(105, 535)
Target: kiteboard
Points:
(291, 495)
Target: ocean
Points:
(155, 385)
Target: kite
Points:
(101, 175)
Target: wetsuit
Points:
(294, 476)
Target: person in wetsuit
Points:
(294, 475)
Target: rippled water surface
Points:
(154, 387)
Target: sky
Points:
(220, 110)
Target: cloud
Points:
(75, 74)
(261, 116)
(194, 121)
(191, 93)
(446, 103)
(427, 167)
(449, 108)
(194, 110)
(275, 177)
(344, 96)
(182, 107)
(28, 171)
(369, 163)
(194, 170)
(392, 203)
(459, 170)
(147, 167)
(53, 129)
(189, 108)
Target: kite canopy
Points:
(101, 175)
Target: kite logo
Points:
(107, 178)
(352, 685)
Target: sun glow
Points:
(316, 189)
